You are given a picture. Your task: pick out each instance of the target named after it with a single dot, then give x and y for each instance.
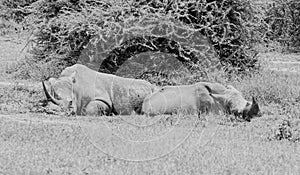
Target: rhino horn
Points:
(253, 100)
(254, 109)
(49, 97)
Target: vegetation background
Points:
(256, 43)
(62, 29)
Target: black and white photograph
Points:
(154, 87)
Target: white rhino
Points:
(202, 97)
(88, 92)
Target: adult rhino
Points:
(88, 92)
(202, 97)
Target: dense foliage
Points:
(63, 28)
(283, 17)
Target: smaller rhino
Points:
(190, 99)
(202, 97)
(233, 102)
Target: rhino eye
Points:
(248, 104)
(56, 96)
(236, 113)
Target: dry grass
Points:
(34, 143)
(12, 49)
(43, 144)
(59, 146)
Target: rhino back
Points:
(124, 94)
(169, 100)
(216, 88)
(128, 94)
(236, 101)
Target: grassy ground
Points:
(52, 145)
(35, 143)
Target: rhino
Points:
(174, 99)
(201, 97)
(232, 101)
(84, 91)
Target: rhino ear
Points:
(208, 88)
(73, 75)
(253, 101)
(51, 81)
(217, 96)
(231, 87)
(254, 109)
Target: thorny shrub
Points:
(285, 129)
(283, 19)
(63, 28)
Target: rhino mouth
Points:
(251, 110)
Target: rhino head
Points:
(60, 92)
(251, 110)
(233, 102)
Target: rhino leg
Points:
(97, 108)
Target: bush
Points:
(58, 36)
(64, 27)
(283, 19)
(13, 14)
(286, 129)
(15, 10)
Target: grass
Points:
(37, 143)
(12, 50)
(62, 148)
(19, 99)
(45, 144)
